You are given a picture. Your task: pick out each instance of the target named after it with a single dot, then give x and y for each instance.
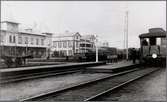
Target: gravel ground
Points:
(149, 88)
(84, 92)
(19, 90)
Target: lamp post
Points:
(96, 50)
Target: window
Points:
(70, 52)
(14, 39)
(37, 41)
(32, 41)
(65, 52)
(145, 42)
(65, 44)
(26, 40)
(82, 45)
(69, 44)
(77, 51)
(76, 37)
(158, 41)
(2, 38)
(42, 41)
(10, 39)
(88, 45)
(152, 41)
(20, 40)
(77, 45)
(55, 44)
(59, 44)
(163, 41)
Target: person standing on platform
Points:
(134, 55)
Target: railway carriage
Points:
(104, 54)
(153, 47)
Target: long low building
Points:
(15, 42)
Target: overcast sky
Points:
(103, 18)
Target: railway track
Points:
(25, 76)
(93, 98)
(90, 90)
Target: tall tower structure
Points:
(126, 33)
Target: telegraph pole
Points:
(0, 44)
(124, 42)
(126, 32)
(96, 50)
(85, 44)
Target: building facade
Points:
(15, 42)
(105, 44)
(67, 44)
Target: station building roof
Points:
(67, 34)
(10, 22)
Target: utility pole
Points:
(127, 35)
(0, 44)
(96, 50)
(85, 44)
(124, 42)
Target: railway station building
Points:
(66, 44)
(17, 42)
(69, 43)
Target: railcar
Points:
(153, 47)
(103, 54)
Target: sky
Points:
(106, 19)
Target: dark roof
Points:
(149, 35)
(47, 33)
(32, 33)
(67, 34)
(155, 30)
(10, 22)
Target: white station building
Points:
(69, 43)
(23, 42)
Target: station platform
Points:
(51, 66)
(114, 67)
(22, 72)
(44, 63)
